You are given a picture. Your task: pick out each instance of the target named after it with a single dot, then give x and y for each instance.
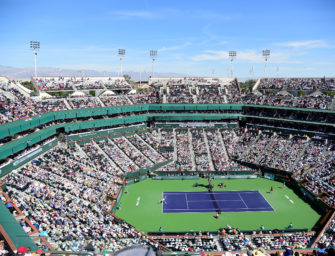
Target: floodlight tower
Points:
(232, 56)
(266, 55)
(252, 72)
(153, 55)
(35, 46)
(122, 53)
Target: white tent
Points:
(108, 92)
(78, 94)
(44, 95)
(317, 93)
(284, 93)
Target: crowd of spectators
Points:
(146, 149)
(63, 193)
(327, 240)
(67, 188)
(307, 84)
(80, 83)
(283, 241)
(132, 152)
(189, 243)
(202, 160)
(120, 100)
(184, 155)
(84, 102)
(15, 105)
(54, 83)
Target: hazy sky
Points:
(191, 37)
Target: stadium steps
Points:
(281, 152)
(190, 146)
(164, 99)
(222, 143)
(106, 155)
(218, 243)
(175, 154)
(326, 153)
(144, 142)
(124, 155)
(100, 101)
(67, 104)
(225, 98)
(301, 153)
(81, 151)
(250, 146)
(159, 136)
(211, 165)
(267, 147)
(138, 151)
(256, 84)
(8, 95)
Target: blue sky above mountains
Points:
(191, 37)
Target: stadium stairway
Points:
(267, 147)
(175, 155)
(107, 157)
(164, 99)
(138, 151)
(281, 153)
(122, 152)
(225, 98)
(159, 136)
(222, 143)
(190, 146)
(250, 146)
(211, 165)
(67, 104)
(144, 142)
(301, 153)
(8, 95)
(100, 101)
(81, 151)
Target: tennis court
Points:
(212, 201)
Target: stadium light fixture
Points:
(232, 56)
(122, 53)
(266, 55)
(140, 68)
(153, 55)
(252, 72)
(35, 46)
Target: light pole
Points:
(35, 46)
(122, 53)
(153, 55)
(140, 67)
(252, 73)
(232, 56)
(266, 55)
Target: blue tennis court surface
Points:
(226, 201)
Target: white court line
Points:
(186, 201)
(243, 201)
